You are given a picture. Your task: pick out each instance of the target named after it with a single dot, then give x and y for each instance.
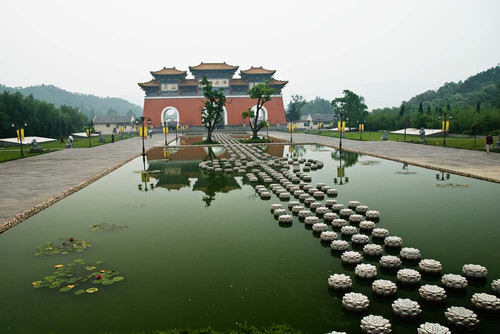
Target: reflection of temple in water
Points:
(181, 166)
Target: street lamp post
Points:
(20, 134)
(442, 178)
(340, 126)
(165, 131)
(361, 128)
(141, 121)
(446, 124)
(291, 131)
(88, 130)
(341, 178)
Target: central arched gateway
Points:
(170, 114)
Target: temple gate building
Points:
(173, 97)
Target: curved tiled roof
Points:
(274, 82)
(238, 82)
(168, 71)
(258, 70)
(213, 66)
(150, 83)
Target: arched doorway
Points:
(222, 121)
(262, 113)
(171, 116)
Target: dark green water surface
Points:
(205, 251)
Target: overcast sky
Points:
(387, 51)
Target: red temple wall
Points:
(190, 109)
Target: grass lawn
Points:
(456, 142)
(14, 152)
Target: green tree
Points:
(294, 108)
(351, 105)
(420, 108)
(214, 107)
(111, 112)
(262, 93)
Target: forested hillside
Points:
(89, 105)
(474, 106)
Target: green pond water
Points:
(201, 250)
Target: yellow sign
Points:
(340, 172)
(291, 149)
(143, 131)
(145, 176)
(177, 127)
(120, 129)
(447, 125)
(278, 124)
(361, 127)
(165, 130)
(339, 126)
(20, 136)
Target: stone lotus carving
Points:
(432, 293)
(337, 207)
(355, 218)
(279, 212)
(372, 249)
(346, 212)
(432, 328)
(297, 193)
(318, 194)
(372, 214)
(335, 332)
(309, 200)
(354, 301)
(406, 308)
(361, 209)
(304, 213)
(276, 206)
(495, 286)
(365, 270)
(328, 236)
(285, 218)
(322, 210)
(361, 239)
(339, 245)
(282, 195)
(267, 194)
(315, 205)
(351, 257)
(454, 281)
(337, 222)
(393, 241)
(366, 225)
(461, 317)
(409, 253)
(474, 271)
(330, 202)
(384, 287)
(320, 227)
(375, 324)
(348, 230)
(485, 301)
(291, 204)
(353, 204)
(302, 197)
(408, 276)
(329, 216)
(430, 266)
(297, 208)
(311, 220)
(339, 282)
(380, 232)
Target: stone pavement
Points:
(33, 180)
(465, 162)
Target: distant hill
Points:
(90, 105)
(482, 87)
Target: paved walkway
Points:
(33, 180)
(466, 162)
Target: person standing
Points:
(112, 138)
(488, 142)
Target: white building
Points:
(111, 124)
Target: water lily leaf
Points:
(97, 281)
(108, 282)
(90, 268)
(118, 278)
(100, 262)
(79, 292)
(92, 290)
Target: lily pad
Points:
(78, 276)
(79, 292)
(99, 262)
(105, 227)
(92, 290)
(63, 246)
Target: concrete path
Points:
(465, 162)
(33, 180)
